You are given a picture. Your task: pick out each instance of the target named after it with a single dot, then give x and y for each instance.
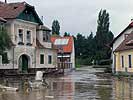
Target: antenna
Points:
(42, 18)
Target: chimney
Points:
(5, 1)
(42, 18)
(132, 20)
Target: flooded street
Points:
(82, 84)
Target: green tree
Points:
(103, 36)
(5, 43)
(66, 34)
(56, 27)
(80, 45)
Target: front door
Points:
(23, 63)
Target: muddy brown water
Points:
(82, 84)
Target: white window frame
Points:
(30, 36)
(18, 34)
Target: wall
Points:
(126, 61)
(73, 56)
(117, 43)
(46, 52)
(15, 52)
(46, 44)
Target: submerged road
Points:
(83, 84)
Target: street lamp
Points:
(62, 59)
(61, 52)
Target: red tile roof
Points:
(127, 44)
(11, 10)
(66, 48)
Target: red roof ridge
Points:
(66, 48)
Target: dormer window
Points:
(28, 37)
(126, 35)
(20, 37)
(44, 37)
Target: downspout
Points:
(114, 63)
(13, 57)
(35, 60)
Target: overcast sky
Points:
(80, 16)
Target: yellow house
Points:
(123, 55)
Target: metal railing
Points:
(64, 65)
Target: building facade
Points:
(66, 51)
(27, 32)
(122, 51)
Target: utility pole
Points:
(5, 1)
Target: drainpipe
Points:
(13, 57)
(114, 63)
(35, 60)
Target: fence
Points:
(65, 65)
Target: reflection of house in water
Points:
(66, 52)
(123, 89)
(62, 89)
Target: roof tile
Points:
(127, 44)
(66, 48)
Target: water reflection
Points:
(123, 89)
(79, 85)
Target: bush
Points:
(105, 62)
(86, 61)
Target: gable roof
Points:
(44, 28)
(67, 46)
(127, 44)
(13, 10)
(129, 26)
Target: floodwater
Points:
(82, 84)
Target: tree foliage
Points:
(66, 34)
(56, 27)
(5, 43)
(103, 36)
(95, 48)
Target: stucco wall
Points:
(15, 52)
(117, 43)
(46, 52)
(46, 44)
(73, 56)
(31, 51)
(126, 60)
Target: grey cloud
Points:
(81, 15)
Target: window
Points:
(5, 58)
(28, 37)
(49, 59)
(44, 37)
(129, 58)
(122, 61)
(41, 59)
(20, 35)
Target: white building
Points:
(31, 48)
(118, 40)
